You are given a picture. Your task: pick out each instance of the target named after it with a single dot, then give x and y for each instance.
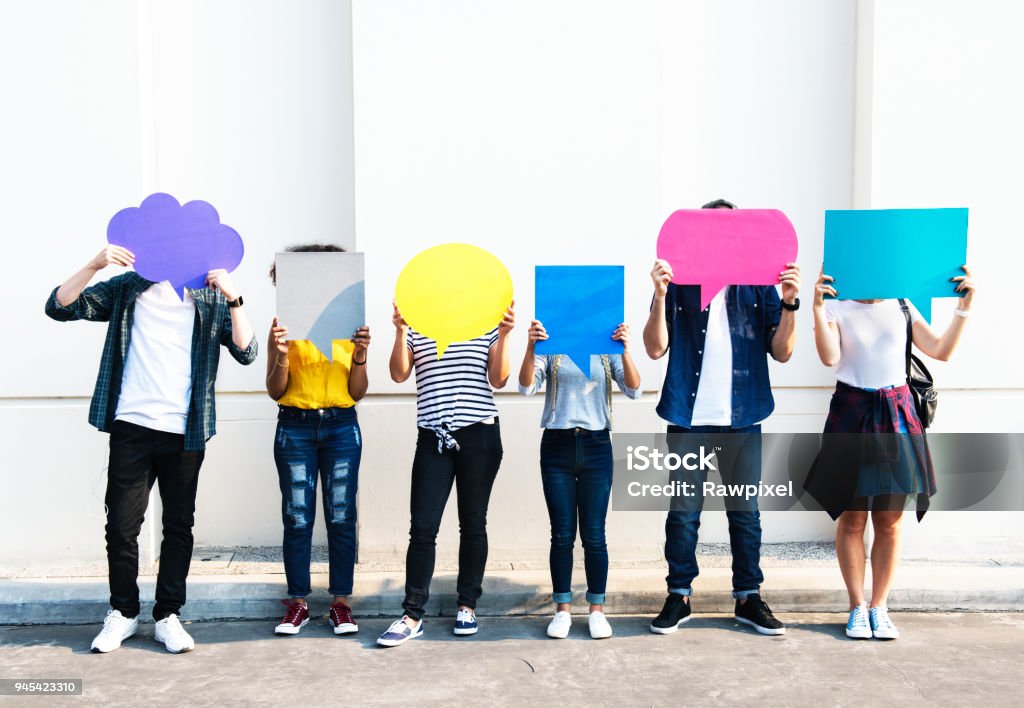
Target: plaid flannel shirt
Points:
(113, 301)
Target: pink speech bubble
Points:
(714, 248)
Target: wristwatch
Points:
(792, 308)
(236, 302)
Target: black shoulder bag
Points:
(922, 387)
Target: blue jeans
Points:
(739, 461)
(324, 444)
(576, 470)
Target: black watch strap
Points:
(236, 302)
(792, 308)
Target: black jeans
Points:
(472, 468)
(139, 457)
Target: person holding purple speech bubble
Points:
(874, 454)
(155, 397)
(317, 437)
(717, 390)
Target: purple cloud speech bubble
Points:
(175, 242)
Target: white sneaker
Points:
(599, 627)
(173, 636)
(857, 626)
(560, 625)
(881, 626)
(116, 628)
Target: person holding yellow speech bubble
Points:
(453, 313)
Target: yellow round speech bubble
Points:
(453, 293)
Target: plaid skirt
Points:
(873, 445)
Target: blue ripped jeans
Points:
(322, 444)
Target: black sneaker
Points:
(758, 615)
(675, 612)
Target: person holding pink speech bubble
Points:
(874, 454)
(155, 397)
(715, 395)
(317, 439)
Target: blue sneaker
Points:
(857, 626)
(399, 633)
(465, 623)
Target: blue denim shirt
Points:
(754, 313)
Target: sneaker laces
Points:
(882, 620)
(464, 616)
(341, 614)
(293, 613)
(109, 622)
(174, 626)
(858, 616)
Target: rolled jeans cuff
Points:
(595, 598)
(562, 598)
(681, 591)
(743, 594)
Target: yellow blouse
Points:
(316, 382)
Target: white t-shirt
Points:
(713, 404)
(872, 342)
(157, 381)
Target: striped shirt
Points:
(452, 392)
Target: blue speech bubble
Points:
(894, 253)
(580, 307)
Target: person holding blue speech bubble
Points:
(874, 453)
(717, 390)
(155, 397)
(317, 437)
(576, 464)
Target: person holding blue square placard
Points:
(576, 462)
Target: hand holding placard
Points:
(453, 293)
(581, 307)
(893, 253)
(321, 297)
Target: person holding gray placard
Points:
(318, 438)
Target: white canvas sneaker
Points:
(172, 635)
(560, 625)
(599, 627)
(116, 628)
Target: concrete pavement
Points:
(804, 588)
(942, 659)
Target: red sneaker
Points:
(341, 619)
(295, 618)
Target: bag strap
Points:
(910, 332)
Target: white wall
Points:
(942, 128)
(549, 132)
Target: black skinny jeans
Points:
(472, 468)
(139, 457)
